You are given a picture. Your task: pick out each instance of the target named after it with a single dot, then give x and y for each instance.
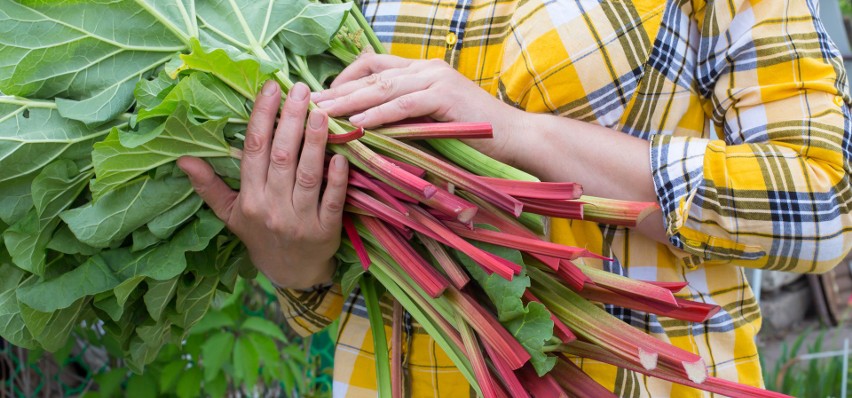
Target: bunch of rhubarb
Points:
(100, 228)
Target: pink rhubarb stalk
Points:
(359, 180)
(536, 190)
(454, 271)
(437, 130)
(686, 310)
(522, 243)
(344, 138)
(577, 383)
(491, 331)
(357, 243)
(477, 360)
(406, 166)
(507, 375)
(445, 171)
(554, 208)
(429, 279)
(540, 387)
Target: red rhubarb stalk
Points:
(429, 279)
(477, 360)
(446, 171)
(344, 138)
(491, 331)
(359, 180)
(554, 208)
(522, 243)
(536, 190)
(576, 382)
(540, 387)
(357, 243)
(507, 375)
(454, 271)
(686, 310)
(406, 166)
(437, 130)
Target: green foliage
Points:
(816, 378)
(98, 224)
(529, 323)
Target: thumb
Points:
(209, 186)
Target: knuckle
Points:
(265, 108)
(251, 210)
(307, 179)
(373, 78)
(403, 103)
(436, 63)
(254, 142)
(386, 86)
(281, 157)
(334, 206)
(276, 225)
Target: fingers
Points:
(209, 186)
(416, 104)
(255, 161)
(331, 208)
(309, 174)
(285, 146)
(373, 90)
(368, 64)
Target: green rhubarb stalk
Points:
(369, 291)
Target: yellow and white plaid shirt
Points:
(744, 104)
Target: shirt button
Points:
(452, 38)
(838, 100)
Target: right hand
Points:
(291, 234)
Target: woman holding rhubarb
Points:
(731, 115)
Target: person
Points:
(731, 115)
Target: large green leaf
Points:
(53, 190)
(68, 51)
(109, 269)
(116, 164)
(32, 135)
(207, 96)
(158, 296)
(122, 210)
(12, 327)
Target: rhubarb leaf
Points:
(530, 323)
(12, 326)
(159, 295)
(207, 97)
(120, 211)
(53, 190)
(505, 294)
(68, 52)
(245, 75)
(116, 164)
(533, 330)
(32, 135)
(109, 269)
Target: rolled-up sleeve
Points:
(774, 190)
(308, 312)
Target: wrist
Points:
(312, 275)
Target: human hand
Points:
(383, 89)
(291, 234)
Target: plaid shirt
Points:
(744, 105)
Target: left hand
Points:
(383, 89)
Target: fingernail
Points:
(316, 119)
(269, 88)
(357, 118)
(326, 104)
(339, 162)
(299, 92)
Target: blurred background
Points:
(804, 343)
